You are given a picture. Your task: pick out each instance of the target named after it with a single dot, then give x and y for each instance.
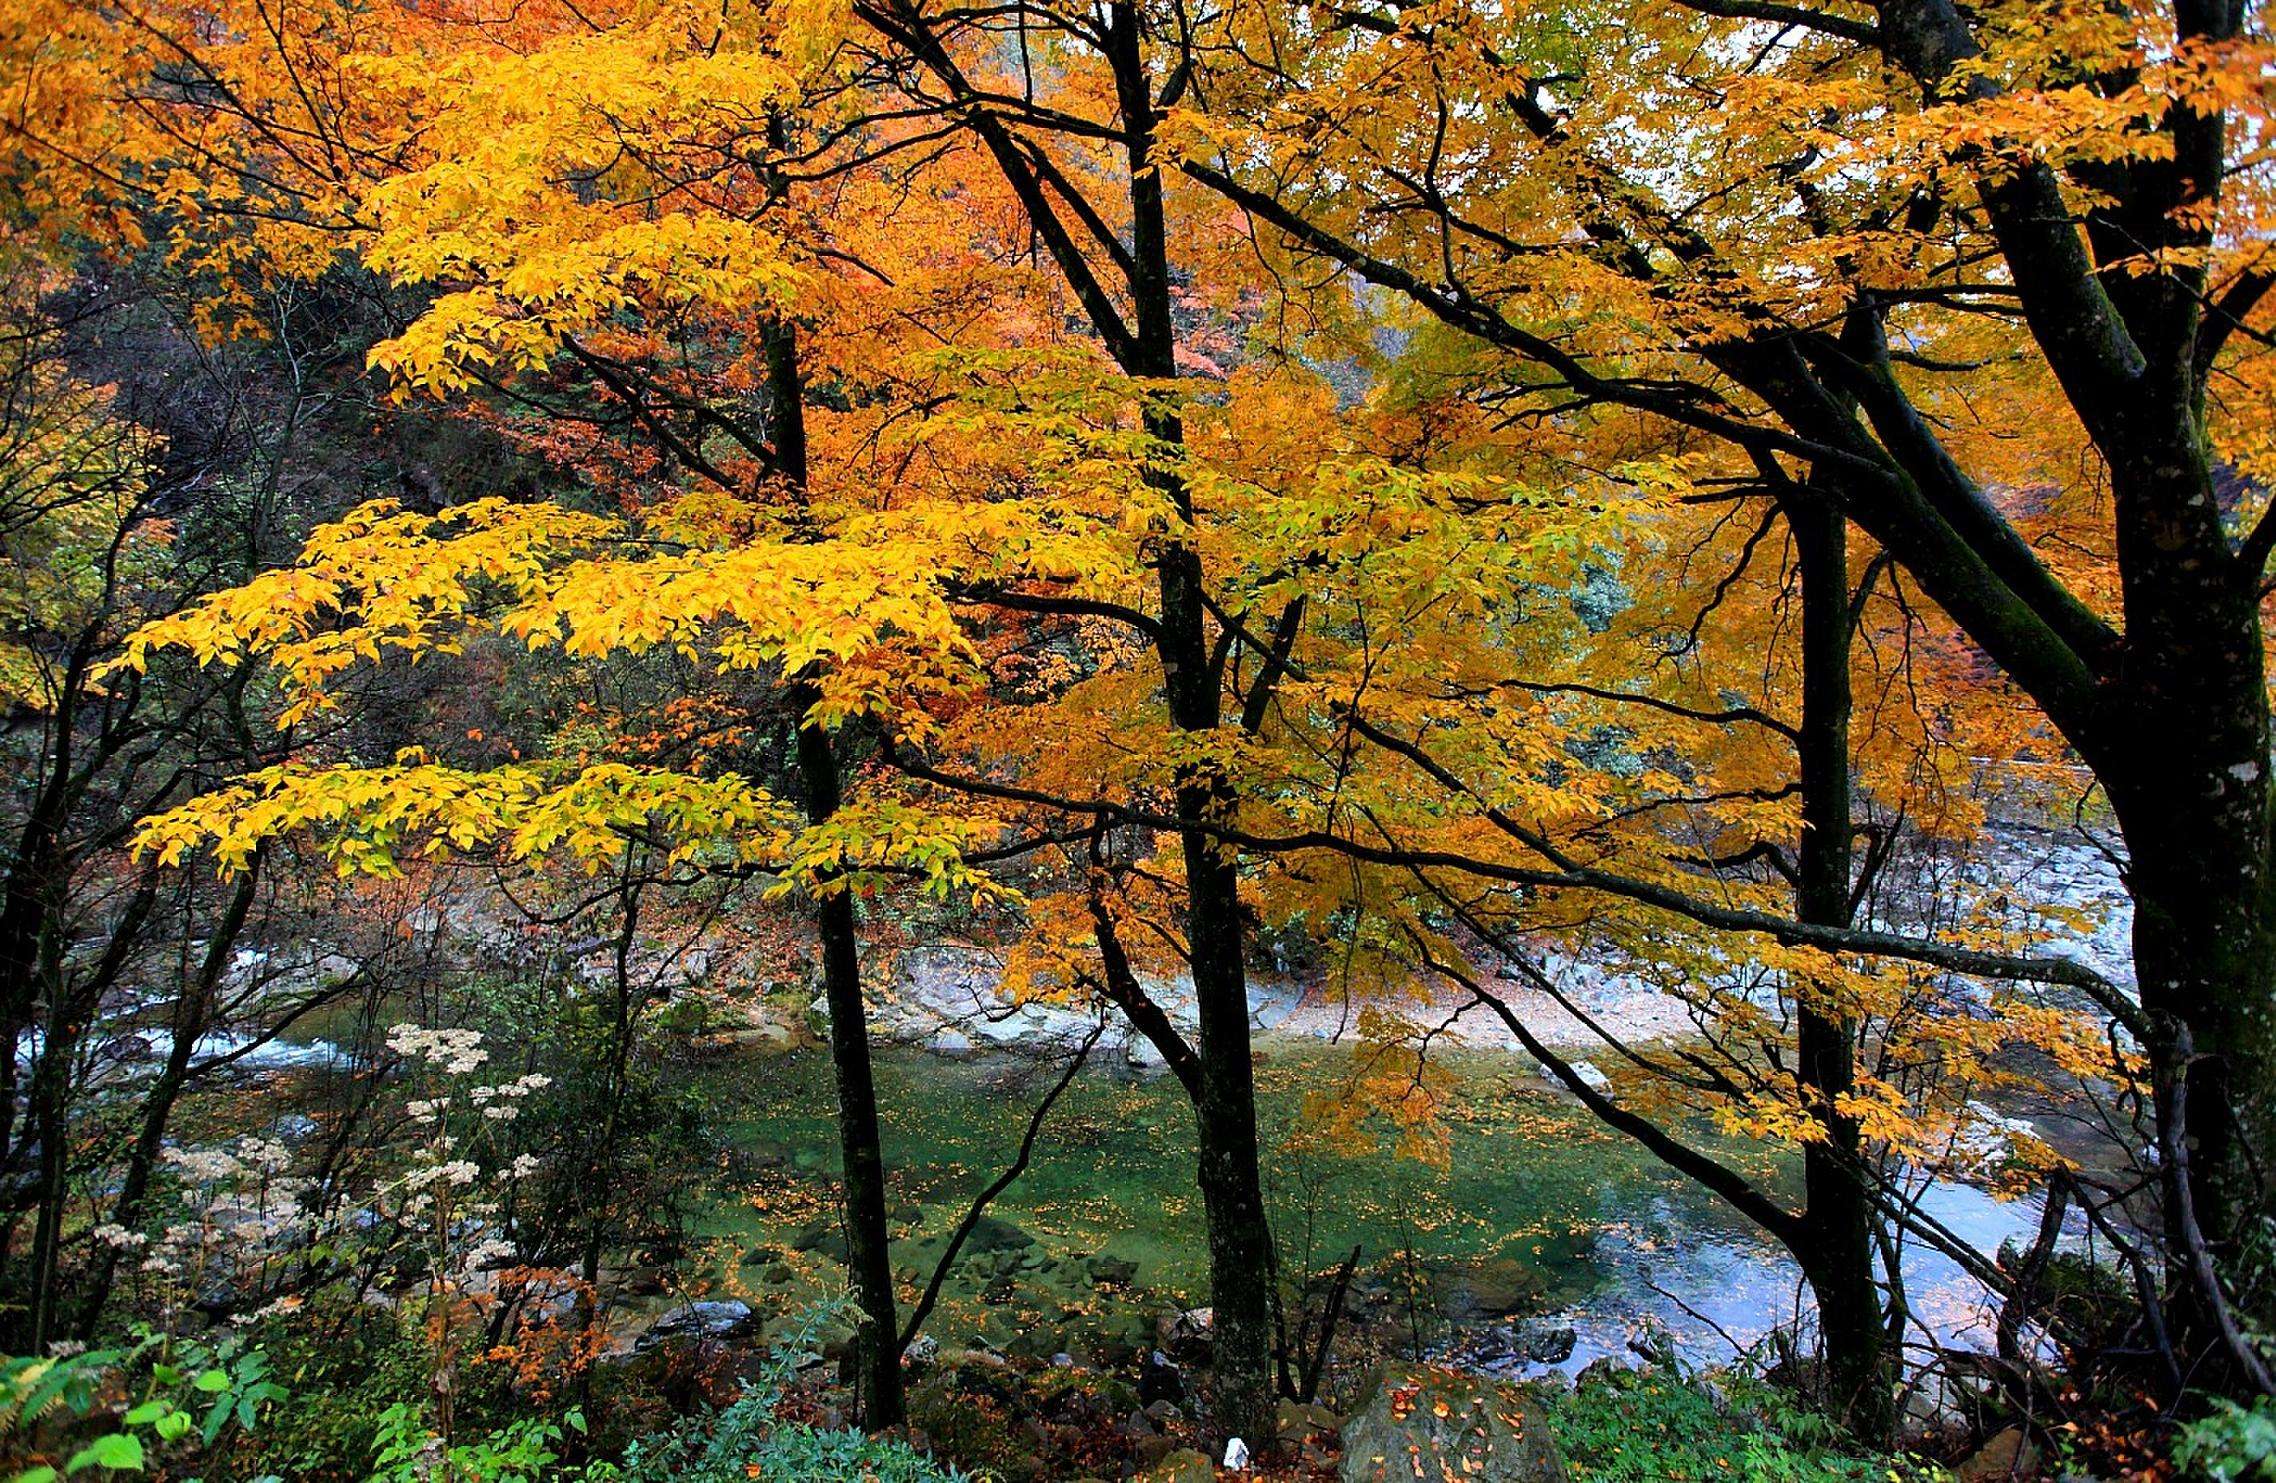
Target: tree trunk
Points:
(1225, 1122)
(2188, 778)
(1144, 348)
(191, 1018)
(1836, 1227)
(877, 1345)
(1225, 1117)
(50, 1126)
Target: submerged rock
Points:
(823, 1237)
(1493, 1287)
(1423, 1421)
(992, 1233)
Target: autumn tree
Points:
(1961, 274)
(93, 541)
(921, 369)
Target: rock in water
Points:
(1543, 1342)
(823, 1237)
(992, 1233)
(1423, 1421)
(722, 1318)
(1493, 1287)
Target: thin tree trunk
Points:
(1144, 348)
(193, 1009)
(1225, 1115)
(877, 1344)
(1836, 1228)
(72, 1012)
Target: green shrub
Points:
(116, 1410)
(1656, 1426)
(747, 1439)
(2235, 1444)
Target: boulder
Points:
(1160, 1380)
(770, 1038)
(1182, 1466)
(716, 1318)
(992, 1234)
(1424, 1421)
(1543, 1342)
(2009, 1457)
(642, 1282)
(1300, 1421)
(1184, 1335)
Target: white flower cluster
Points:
(446, 1194)
(460, 1172)
(204, 1165)
(263, 1155)
(497, 1102)
(457, 1052)
(241, 1211)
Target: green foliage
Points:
(408, 1452)
(2235, 1444)
(110, 1410)
(747, 1439)
(1652, 1426)
(349, 1363)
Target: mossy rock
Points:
(1424, 1421)
(1182, 1466)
